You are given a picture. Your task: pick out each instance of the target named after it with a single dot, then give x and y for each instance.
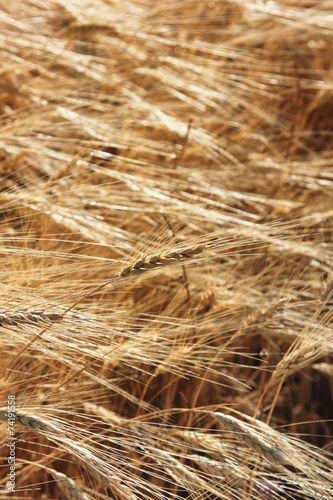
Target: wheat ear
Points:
(146, 263)
(224, 468)
(68, 486)
(254, 437)
(22, 316)
(297, 359)
(261, 314)
(80, 453)
(30, 422)
(183, 474)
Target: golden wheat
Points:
(166, 249)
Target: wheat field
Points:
(166, 249)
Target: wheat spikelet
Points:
(229, 473)
(184, 475)
(261, 314)
(297, 359)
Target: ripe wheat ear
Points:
(68, 486)
(22, 316)
(80, 452)
(220, 115)
(144, 264)
(159, 260)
